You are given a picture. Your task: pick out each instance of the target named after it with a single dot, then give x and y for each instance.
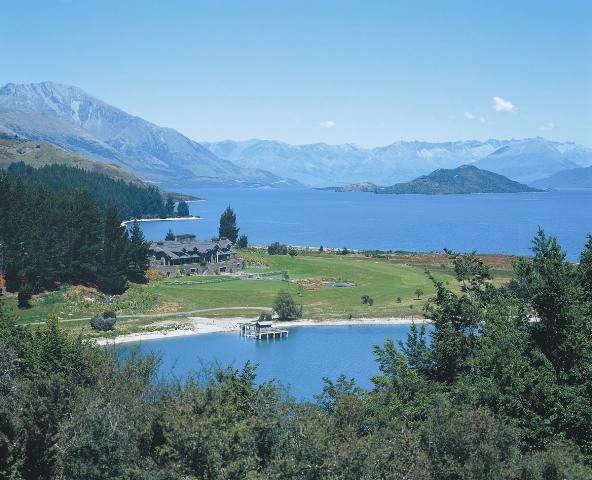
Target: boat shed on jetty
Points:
(188, 256)
(261, 330)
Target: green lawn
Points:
(384, 280)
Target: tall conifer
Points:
(113, 271)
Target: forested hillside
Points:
(132, 200)
(502, 390)
(52, 231)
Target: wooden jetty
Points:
(261, 330)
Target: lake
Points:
(300, 361)
(492, 223)
(489, 223)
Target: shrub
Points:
(367, 300)
(292, 252)
(103, 321)
(277, 248)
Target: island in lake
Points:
(462, 180)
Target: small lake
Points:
(300, 361)
(491, 223)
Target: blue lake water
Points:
(300, 361)
(492, 223)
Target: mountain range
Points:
(80, 123)
(77, 121)
(320, 164)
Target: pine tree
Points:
(113, 271)
(183, 209)
(228, 227)
(170, 236)
(170, 207)
(137, 255)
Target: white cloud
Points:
(327, 124)
(501, 105)
(547, 127)
(469, 116)
(482, 120)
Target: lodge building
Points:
(187, 256)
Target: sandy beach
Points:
(203, 325)
(172, 219)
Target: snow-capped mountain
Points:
(527, 160)
(336, 165)
(79, 122)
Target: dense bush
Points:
(277, 248)
(367, 299)
(103, 321)
(285, 307)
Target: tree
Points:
(418, 293)
(285, 307)
(112, 277)
(228, 228)
(182, 209)
(170, 206)
(292, 252)
(243, 241)
(137, 255)
(170, 236)
(24, 297)
(552, 291)
(457, 317)
(277, 248)
(368, 300)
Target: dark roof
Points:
(174, 249)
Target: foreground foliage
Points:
(502, 390)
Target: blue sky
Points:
(336, 71)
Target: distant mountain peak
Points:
(320, 165)
(80, 122)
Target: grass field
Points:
(391, 282)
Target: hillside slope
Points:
(81, 123)
(38, 154)
(573, 178)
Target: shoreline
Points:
(124, 223)
(204, 326)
